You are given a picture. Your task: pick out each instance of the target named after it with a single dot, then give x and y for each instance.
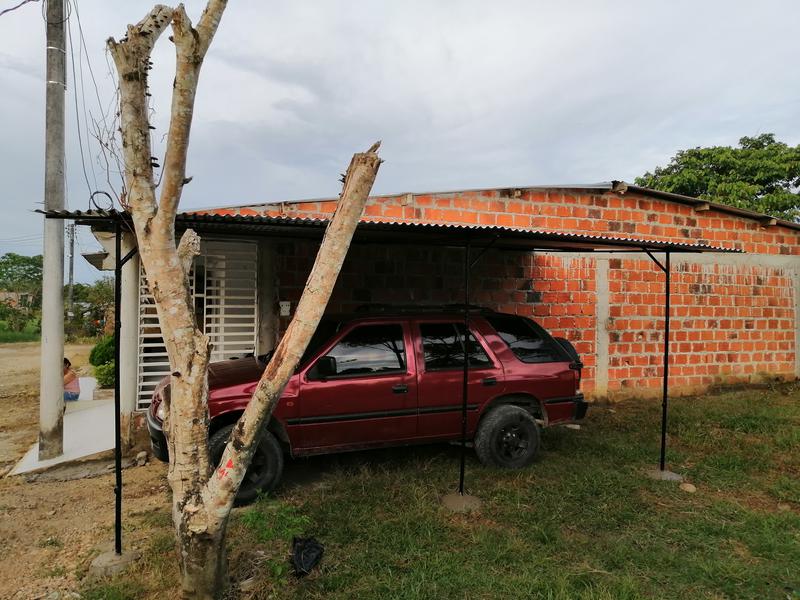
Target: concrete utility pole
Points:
(51, 393)
(71, 277)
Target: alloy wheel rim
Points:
(513, 442)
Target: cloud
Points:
(463, 93)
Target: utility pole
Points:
(71, 277)
(51, 393)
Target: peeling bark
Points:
(202, 496)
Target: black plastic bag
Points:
(306, 554)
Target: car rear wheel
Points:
(507, 437)
(265, 469)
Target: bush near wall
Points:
(105, 374)
(102, 357)
(103, 352)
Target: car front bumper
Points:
(157, 440)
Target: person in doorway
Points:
(72, 387)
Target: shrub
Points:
(105, 375)
(103, 352)
(17, 319)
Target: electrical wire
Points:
(81, 49)
(23, 3)
(77, 113)
(27, 238)
(88, 62)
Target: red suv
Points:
(396, 378)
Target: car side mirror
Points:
(324, 367)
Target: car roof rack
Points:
(420, 308)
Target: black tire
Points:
(508, 437)
(265, 470)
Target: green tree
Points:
(101, 293)
(20, 273)
(760, 174)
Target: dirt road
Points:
(49, 529)
(19, 396)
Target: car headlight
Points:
(160, 412)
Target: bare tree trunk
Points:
(236, 458)
(202, 497)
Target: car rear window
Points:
(444, 349)
(527, 340)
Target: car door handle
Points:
(489, 381)
(400, 388)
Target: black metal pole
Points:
(665, 397)
(465, 385)
(117, 411)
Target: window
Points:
(370, 350)
(527, 340)
(442, 344)
(326, 329)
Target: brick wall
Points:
(607, 213)
(733, 321)
(729, 323)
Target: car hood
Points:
(234, 372)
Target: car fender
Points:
(275, 426)
(527, 401)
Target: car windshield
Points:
(325, 330)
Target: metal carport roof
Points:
(393, 232)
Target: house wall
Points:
(735, 318)
(566, 210)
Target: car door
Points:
(365, 395)
(440, 359)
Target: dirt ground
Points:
(51, 529)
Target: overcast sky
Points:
(463, 94)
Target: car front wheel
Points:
(265, 469)
(507, 437)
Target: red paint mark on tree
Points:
(223, 471)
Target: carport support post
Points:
(662, 463)
(119, 262)
(459, 501)
(465, 382)
(117, 411)
(665, 395)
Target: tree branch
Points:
(188, 248)
(209, 22)
(190, 50)
(131, 56)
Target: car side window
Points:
(368, 350)
(442, 344)
(526, 339)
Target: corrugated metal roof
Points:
(392, 232)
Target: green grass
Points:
(29, 334)
(583, 522)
